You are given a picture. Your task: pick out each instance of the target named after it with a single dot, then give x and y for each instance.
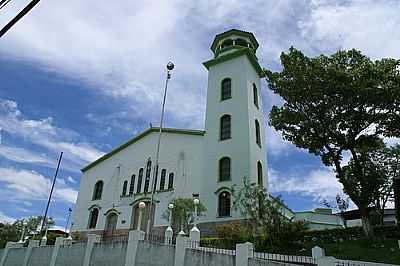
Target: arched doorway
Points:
(111, 224)
(145, 216)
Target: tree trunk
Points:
(367, 228)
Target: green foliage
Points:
(348, 243)
(183, 213)
(264, 222)
(12, 231)
(343, 103)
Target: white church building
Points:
(204, 164)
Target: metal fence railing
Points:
(292, 259)
(114, 238)
(206, 246)
(349, 263)
(160, 239)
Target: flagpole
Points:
(44, 221)
(170, 66)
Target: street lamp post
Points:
(169, 233)
(142, 205)
(170, 67)
(170, 207)
(24, 224)
(196, 204)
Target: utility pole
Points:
(18, 17)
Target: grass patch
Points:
(384, 251)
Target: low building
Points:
(320, 219)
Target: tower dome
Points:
(233, 40)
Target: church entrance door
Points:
(111, 224)
(145, 217)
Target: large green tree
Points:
(338, 105)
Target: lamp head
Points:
(142, 205)
(170, 65)
(170, 206)
(196, 202)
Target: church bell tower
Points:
(235, 139)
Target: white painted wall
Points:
(187, 177)
(242, 147)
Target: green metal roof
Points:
(140, 136)
(244, 51)
(237, 32)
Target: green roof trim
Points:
(225, 34)
(244, 51)
(140, 136)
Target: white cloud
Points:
(44, 133)
(392, 141)
(369, 25)
(318, 184)
(26, 185)
(22, 155)
(6, 219)
(71, 180)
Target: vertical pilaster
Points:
(91, 240)
(180, 250)
(243, 253)
(60, 241)
(133, 242)
(32, 244)
(9, 246)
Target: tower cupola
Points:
(233, 40)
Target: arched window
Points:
(171, 180)
(162, 180)
(147, 180)
(259, 174)
(225, 169)
(132, 185)
(124, 188)
(258, 135)
(98, 190)
(93, 215)
(227, 43)
(224, 204)
(225, 127)
(241, 42)
(226, 89)
(255, 95)
(140, 178)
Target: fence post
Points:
(320, 259)
(91, 240)
(317, 252)
(131, 250)
(326, 261)
(169, 234)
(180, 250)
(9, 246)
(59, 241)
(244, 251)
(194, 236)
(32, 244)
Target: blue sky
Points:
(85, 76)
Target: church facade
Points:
(204, 164)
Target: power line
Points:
(18, 16)
(3, 3)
